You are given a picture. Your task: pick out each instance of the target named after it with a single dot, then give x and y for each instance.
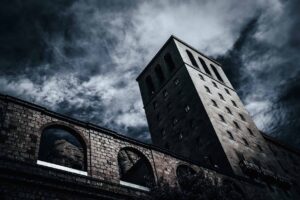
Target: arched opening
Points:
(150, 85)
(185, 176)
(135, 169)
(207, 71)
(192, 59)
(216, 73)
(159, 73)
(169, 61)
(62, 146)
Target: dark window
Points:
(207, 89)
(176, 81)
(227, 91)
(62, 146)
(222, 118)
(159, 74)
(204, 66)
(187, 108)
(240, 156)
(228, 110)
(216, 72)
(150, 85)
(250, 131)
(236, 125)
(221, 96)
(169, 62)
(245, 142)
(233, 103)
(214, 83)
(165, 93)
(180, 135)
(175, 121)
(214, 103)
(201, 77)
(134, 167)
(242, 117)
(192, 59)
(230, 135)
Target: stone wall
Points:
(21, 177)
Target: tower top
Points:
(172, 38)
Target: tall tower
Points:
(193, 110)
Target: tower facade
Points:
(193, 110)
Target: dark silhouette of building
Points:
(197, 123)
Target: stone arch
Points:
(64, 146)
(134, 167)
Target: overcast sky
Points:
(81, 57)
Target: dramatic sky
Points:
(81, 57)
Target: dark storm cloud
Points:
(81, 57)
(264, 67)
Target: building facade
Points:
(45, 155)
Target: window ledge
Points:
(132, 185)
(55, 166)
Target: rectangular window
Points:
(227, 91)
(250, 131)
(245, 142)
(176, 81)
(215, 85)
(222, 118)
(228, 110)
(207, 89)
(236, 125)
(233, 103)
(221, 96)
(165, 93)
(230, 135)
(214, 103)
(187, 108)
(175, 121)
(201, 77)
(242, 117)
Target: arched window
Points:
(204, 66)
(150, 85)
(135, 169)
(159, 74)
(216, 72)
(63, 147)
(169, 62)
(192, 59)
(185, 175)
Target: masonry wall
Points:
(22, 178)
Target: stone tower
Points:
(193, 110)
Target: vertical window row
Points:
(204, 65)
(192, 59)
(159, 74)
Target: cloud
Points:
(81, 58)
